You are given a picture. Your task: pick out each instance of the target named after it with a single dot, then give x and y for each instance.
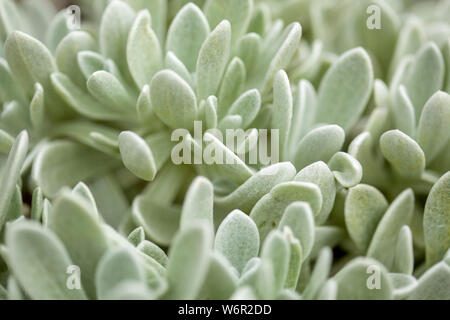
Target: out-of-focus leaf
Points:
(345, 89)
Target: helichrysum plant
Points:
(111, 134)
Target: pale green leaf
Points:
(238, 12)
(115, 26)
(353, 281)
(364, 208)
(144, 55)
(198, 204)
(237, 239)
(212, 60)
(89, 62)
(115, 267)
(425, 77)
(346, 169)
(173, 101)
(137, 155)
(320, 174)
(188, 262)
(82, 102)
(436, 220)
(299, 218)
(320, 274)
(152, 250)
(403, 153)
(280, 61)
(403, 111)
(247, 106)
(186, 34)
(37, 112)
(247, 194)
(345, 89)
(248, 49)
(66, 54)
(39, 262)
(220, 281)
(107, 89)
(282, 110)
(11, 173)
(404, 255)
(268, 211)
(434, 284)
(320, 144)
(173, 63)
(434, 123)
(399, 213)
(65, 163)
(231, 87)
(276, 251)
(80, 232)
(136, 236)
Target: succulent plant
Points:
(353, 201)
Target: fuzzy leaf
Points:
(89, 62)
(403, 112)
(188, 31)
(232, 83)
(153, 251)
(304, 109)
(282, 109)
(83, 102)
(345, 89)
(172, 62)
(198, 204)
(247, 106)
(319, 276)
(115, 267)
(433, 130)
(346, 169)
(320, 174)
(117, 20)
(66, 54)
(403, 153)
(247, 194)
(173, 100)
(106, 88)
(425, 76)
(299, 218)
(80, 232)
(188, 262)
(399, 213)
(64, 163)
(280, 61)
(434, 284)
(276, 251)
(320, 144)
(212, 60)
(37, 112)
(11, 173)
(404, 255)
(353, 281)
(268, 211)
(238, 12)
(220, 281)
(436, 220)
(39, 262)
(144, 56)
(137, 155)
(237, 239)
(364, 208)
(21, 50)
